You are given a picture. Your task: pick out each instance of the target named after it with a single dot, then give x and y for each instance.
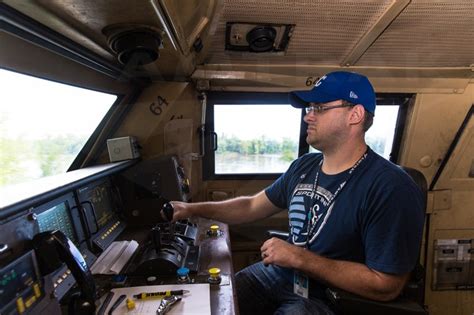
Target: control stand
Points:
(170, 247)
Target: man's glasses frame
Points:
(318, 108)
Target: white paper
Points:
(112, 260)
(198, 301)
(124, 257)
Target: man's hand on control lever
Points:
(175, 210)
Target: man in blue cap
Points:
(355, 218)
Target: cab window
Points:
(44, 125)
(258, 135)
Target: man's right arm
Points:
(233, 211)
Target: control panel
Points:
(110, 232)
(62, 214)
(20, 285)
(63, 280)
(453, 264)
(100, 213)
(85, 213)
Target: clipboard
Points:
(198, 301)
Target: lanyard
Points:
(310, 226)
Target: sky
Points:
(35, 108)
(251, 121)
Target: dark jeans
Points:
(262, 290)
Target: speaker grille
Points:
(325, 31)
(427, 34)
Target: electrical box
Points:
(148, 184)
(124, 148)
(453, 264)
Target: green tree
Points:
(54, 154)
(289, 149)
(11, 169)
(11, 154)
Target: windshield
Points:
(44, 125)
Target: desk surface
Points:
(215, 252)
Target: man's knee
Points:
(253, 296)
(303, 306)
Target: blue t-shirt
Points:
(375, 219)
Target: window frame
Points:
(275, 98)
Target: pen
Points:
(151, 295)
(117, 303)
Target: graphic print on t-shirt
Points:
(301, 201)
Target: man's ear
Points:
(357, 115)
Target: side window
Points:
(381, 135)
(257, 135)
(249, 143)
(254, 134)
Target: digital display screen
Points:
(57, 218)
(101, 200)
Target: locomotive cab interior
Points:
(187, 100)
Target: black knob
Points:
(168, 211)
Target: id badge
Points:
(300, 284)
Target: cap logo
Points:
(320, 81)
(353, 95)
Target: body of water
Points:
(232, 163)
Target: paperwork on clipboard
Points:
(112, 260)
(197, 301)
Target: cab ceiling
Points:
(418, 37)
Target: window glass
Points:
(255, 139)
(44, 125)
(380, 136)
(261, 140)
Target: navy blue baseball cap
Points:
(339, 85)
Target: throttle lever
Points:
(168, 212)
(156, 238)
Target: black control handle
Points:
(168, 211)
(52, 248)
(156, 238)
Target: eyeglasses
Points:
(318, 108)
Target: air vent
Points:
(135, 45)
(258, 38)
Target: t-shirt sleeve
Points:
(277, 192)
(393, 225)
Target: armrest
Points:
(347, 303)
(279, 234)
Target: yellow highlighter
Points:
(159, 295)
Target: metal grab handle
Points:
(202, 135)
(214, 141)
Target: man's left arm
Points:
(350, 276)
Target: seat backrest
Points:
(419, 179)
(415, 288)
(410, 302)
